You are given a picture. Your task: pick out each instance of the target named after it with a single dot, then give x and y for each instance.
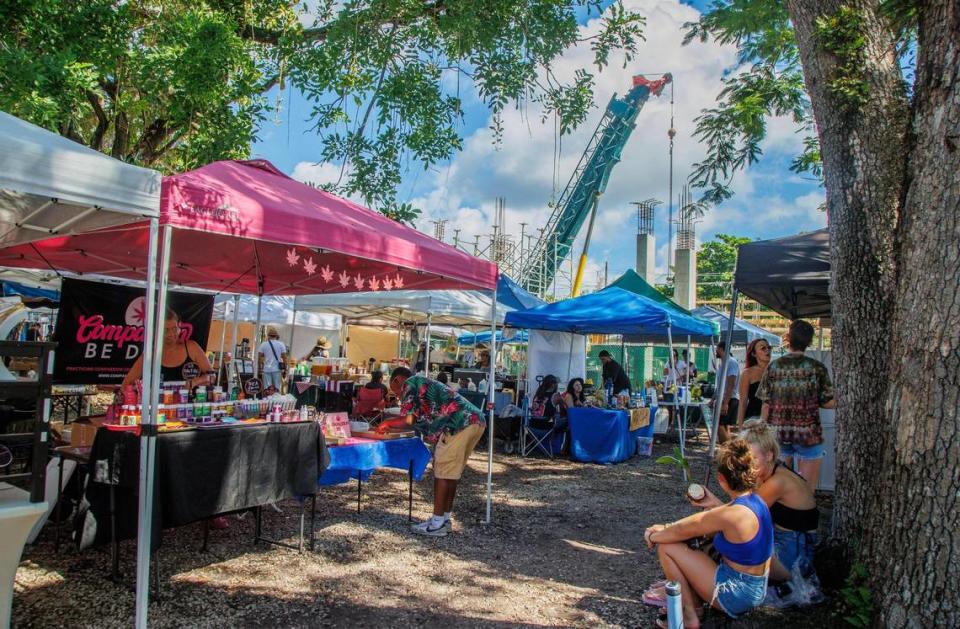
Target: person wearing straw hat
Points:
(320, 350)
(272, 355)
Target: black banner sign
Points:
(100, 329)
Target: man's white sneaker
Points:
(424, 529)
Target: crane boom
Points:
(586, 184)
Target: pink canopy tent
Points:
(245, 227)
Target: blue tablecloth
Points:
(601, 436)
(360, 460)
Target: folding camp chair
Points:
(536, 433)
(369, 404)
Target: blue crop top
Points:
(758, 549)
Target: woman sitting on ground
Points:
(742, 533)
(758, 357)
(793, 506)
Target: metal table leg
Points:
(410, 492)
(359, 489)
(115, 543)
(303, 507)
(313, 522)
(56, 544)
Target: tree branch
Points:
(103, 121)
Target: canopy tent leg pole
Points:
(722, 377)
(256, 332)
(236, 331)
(293, 326)
(399, 337)
(156, 307)
(686, 397)
(426, 347)
(491, 399)
(221, 365)
(672, 369)
(570, 358)
(623, 355)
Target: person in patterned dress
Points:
(446, 419)
(794, 388)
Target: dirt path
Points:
(565, 550)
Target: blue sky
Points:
(770, 201)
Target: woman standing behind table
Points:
(181, 361)
(792, 504)
(742, 533)
(758, 357)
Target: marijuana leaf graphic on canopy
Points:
(309, 266)
(374, 283)
(292, 257)
(344, 279)
(326, 273)
(398, 281)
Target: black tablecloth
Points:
(199, 474)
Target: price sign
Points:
(252, 387)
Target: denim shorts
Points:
(794, 546)
(804, 453)
(737, 592)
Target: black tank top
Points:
(186, 370)
(802, 520)
(754, 405)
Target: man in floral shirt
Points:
(445, 418)
(794, 388)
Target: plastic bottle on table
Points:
(483, 386)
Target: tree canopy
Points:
(175, 84)
(716, 260)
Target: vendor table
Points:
(602, 436)
(360, 460)
(200, 473)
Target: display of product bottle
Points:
(201, 395)
(483, 386)
(608, 390)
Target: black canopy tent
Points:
(791, 275)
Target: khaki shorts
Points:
(451, 454)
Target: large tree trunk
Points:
(864, 154)
(915, 536)
(894, 199)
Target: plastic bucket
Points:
(644, 446)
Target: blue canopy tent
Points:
(511, 295)
(22, 290)
(743, 333)
(610, 311)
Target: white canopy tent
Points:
(451, 307)
(51, 186)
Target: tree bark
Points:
(915, 538)
(864, 156)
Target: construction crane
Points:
(582, 193)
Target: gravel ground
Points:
(565, 550)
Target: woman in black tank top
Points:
(182, 360)
(758, 357)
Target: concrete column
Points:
(646, 251)
(685, 278)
